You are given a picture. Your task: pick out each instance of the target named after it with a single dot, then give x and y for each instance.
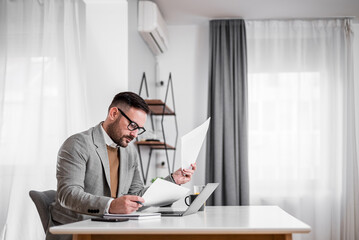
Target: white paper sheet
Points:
(163, 192)
(191, 144)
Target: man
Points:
(97, 170)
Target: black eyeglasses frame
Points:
(131, 128)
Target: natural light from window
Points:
(284, 133)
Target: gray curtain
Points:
(227, 154)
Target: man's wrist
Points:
(171, 175)
(107, 209)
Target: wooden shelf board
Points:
(156, 107)
(154, 145)
(154, 102)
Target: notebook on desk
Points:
(132, 216)
(195, 205)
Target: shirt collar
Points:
(109, 142)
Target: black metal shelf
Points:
(159, 108)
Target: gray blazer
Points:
(83, 176)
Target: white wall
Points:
(106, 54)
(187, 60)
(116, 55)
(140, 57)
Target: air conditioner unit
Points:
(152, 27)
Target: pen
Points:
(139, 202)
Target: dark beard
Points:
(119, 140)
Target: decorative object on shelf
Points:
(158, 108)
(154, 179)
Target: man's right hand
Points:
(125, 204)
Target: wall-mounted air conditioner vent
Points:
(152, 27)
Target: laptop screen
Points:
(196, 204)
(201, 198)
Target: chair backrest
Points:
(42, 202)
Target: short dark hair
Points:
(129, 99)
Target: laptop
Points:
(195, 205)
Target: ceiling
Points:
(189, 12)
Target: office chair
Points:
(42, 202)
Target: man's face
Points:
(118, 130)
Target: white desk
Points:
(227, 222)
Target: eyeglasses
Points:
(132, 126)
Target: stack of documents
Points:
(133, 216)
(162, 193)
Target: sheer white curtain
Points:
(42, 101)
(302, 141)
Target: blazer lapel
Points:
(123, 171)
(102, 151)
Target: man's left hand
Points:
(182, 176)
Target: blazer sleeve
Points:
(137, 186)
(71, 170)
